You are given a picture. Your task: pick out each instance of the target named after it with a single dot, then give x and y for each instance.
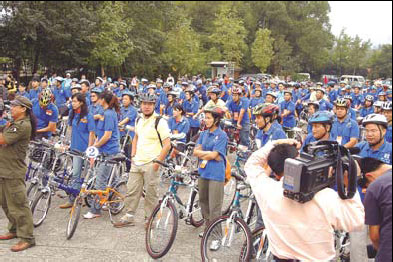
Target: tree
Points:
(182, 51)
(380, 62)
(228, 35)
(112, 43)
(262, 49)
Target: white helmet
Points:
(387, 106)
(378, 103)
(375, 119)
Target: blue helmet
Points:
(331, 83)
(128, 93)
(96, 90)
(322, 117)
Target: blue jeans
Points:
(103, 174)
(76, 182)
(245, 135)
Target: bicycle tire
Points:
(35, 207)
(75, 213)
(196, 222)
(90, 199)
(116, 208)
(228, 195)
(32, 192)
(215, 226)
(257, 245)
(158, 254)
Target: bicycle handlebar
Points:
(161, 163)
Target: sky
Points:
(369, 20)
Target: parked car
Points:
(352, 79)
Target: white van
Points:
(351, 79)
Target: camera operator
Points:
(298, 231)
(377, 178)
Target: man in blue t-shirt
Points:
(238, 107)
(345, 129)
(287, 108)
(46, 113)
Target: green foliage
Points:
(262, 49)
(112, 43)
(148, 38)
(228, 34)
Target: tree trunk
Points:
(18, 64)
(102, 71)
(35, 65)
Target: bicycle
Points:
(51, 183)
(162, 225)
(234, 243)
(260, 246)
(112, 198)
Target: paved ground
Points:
(97, 240)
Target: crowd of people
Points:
(98, 113)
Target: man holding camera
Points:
(377, 178)
(298, 231)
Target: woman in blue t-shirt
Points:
(82, 136)
(211, 151)
(107, 142)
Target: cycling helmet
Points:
(190, 90)
(272, 94)
(296, 85)
(172, 93)
(348, 97)
(96, 90)
(216, 111)
(321, 89)
(258, 83)
(74, 80)
(387, 106)
(148, 98)
(84, 81)
(59, 79)
(356, 86)
(342, 102)
(128, 93)
(159, 81)
(265, 109)
(167, 85)
(322, 117)
(319, 84)
(288, 91)
(215, 90)
(45, 97)
(76, 86)
(314, 103)
(236, 90)
(378, 103)
(375, 119)
(152, 85)
(369, 98)
(382, 94)
(331, 84)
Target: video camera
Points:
(311, 172)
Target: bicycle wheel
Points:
(226, 240)
(229, 195)
(90, 199)
(74, 217)
(40, 207)
(116, 207)
(32, 192)
(259, 247)
(161, 230)
(196, 218)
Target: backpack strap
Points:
(156, 127)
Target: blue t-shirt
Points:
(81, 129)
(96, 109)
(274, 133)
(25, 94)
(346, 130)
(384, 153)
(366, 111)
(130, 113)
(45, 116)
(3, 122)
(60, 96)
(179, 127)
(325, 105)
(310, 138)
(191, 107)
(226, 96)
(109, 124)
(388, 135)
(216, 142)
(378, 211)
(289, 121)
(33, 94)
(235, 108)
(168, 111)
(356, 100)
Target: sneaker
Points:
(91, 215)
(201, 234)
(215, 245)
(126, 220)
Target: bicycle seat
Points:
(75, 153)
(116, 159)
